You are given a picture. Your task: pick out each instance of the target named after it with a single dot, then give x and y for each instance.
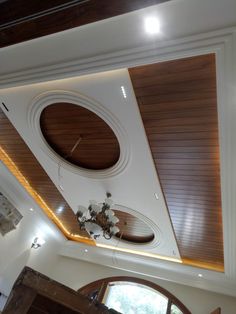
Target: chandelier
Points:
(98, 219)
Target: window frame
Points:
(101, 286)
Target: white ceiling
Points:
(118, 43)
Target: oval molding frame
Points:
(158, 236)
(56, 96)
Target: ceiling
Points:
(22, 20)
(166, 145)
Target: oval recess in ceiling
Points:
(79, 136)
(133, 229)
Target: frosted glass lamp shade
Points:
(82, 209)
(96, 208)
(114, 219)
(114, 230)
(109, 202)
(109, 213)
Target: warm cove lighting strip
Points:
(8, 162)
(165, 258)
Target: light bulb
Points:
(114, 220)
(96, 208)
(93, 202)
(109, 202)
(152, 25)
(109, 213)
(114, 229)
(82, 209)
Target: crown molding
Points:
(156, 52)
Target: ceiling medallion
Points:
(98, 219)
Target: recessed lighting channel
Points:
(123, 91)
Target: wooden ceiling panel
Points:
(79, 136)
(177, 101)
(132, 229)
(23, 158)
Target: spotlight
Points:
(37, 242)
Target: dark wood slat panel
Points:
(168, 97)
(183, 136)
(133, 229)
(177, 101)
(143, 81)
(28, 165)
(98, 148)
(189, 65)
(196, 197)
(186, 128)
(188, 172)
(73, 14)
(177, 88)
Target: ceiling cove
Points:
(105, 134)
(133, 229)
(79, 136)
(177, 102)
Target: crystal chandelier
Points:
(98, 219)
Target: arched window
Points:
(130, 295)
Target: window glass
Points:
(175, 310)
(130, 298)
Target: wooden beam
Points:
(20, 300)
(23, 20)
(31, 284)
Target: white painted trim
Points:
(59, 96)
(161, 51)
(158, 235)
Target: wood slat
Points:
(98, 148)
(133, 229)
(177, 102)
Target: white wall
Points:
(15, 246)
(16, 252)
(75, 274)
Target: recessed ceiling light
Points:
(86, 250)
(200, 275)
(60, 209)
(37, 242)
(31, 209)
(123, 91)
(152, 25)
(156, 196)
